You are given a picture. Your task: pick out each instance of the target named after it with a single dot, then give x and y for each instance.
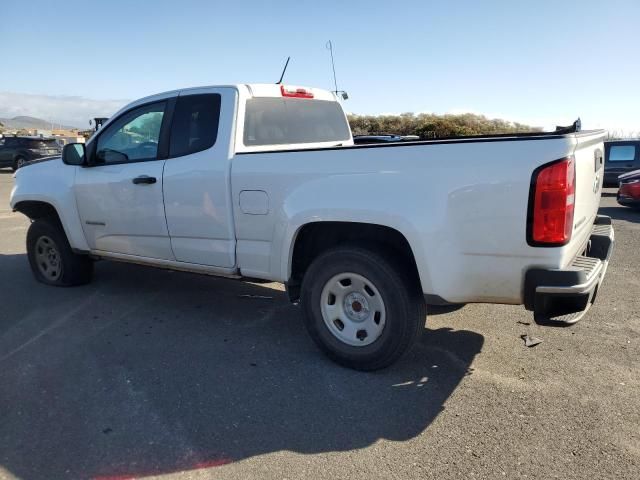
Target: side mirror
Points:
(74, 154)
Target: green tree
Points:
(427, 125)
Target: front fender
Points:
(51, 182)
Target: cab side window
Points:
(195, 124)
(132, 137)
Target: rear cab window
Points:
(293, 121)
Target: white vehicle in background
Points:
(264, 181)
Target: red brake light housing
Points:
(295, 92)
(551, 204)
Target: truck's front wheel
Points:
(362, 310)
(50, 256)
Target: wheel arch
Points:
(21, 153)
(313, 238)
(37, 209)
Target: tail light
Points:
(551, 204)
(295, 92)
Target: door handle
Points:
(144, 179)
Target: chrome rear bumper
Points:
(563, 296)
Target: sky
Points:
(542, 63)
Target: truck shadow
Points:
(148, 372)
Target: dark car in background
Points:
(17, 151)
(629, 191)
(620, 157)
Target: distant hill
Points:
(29, 123)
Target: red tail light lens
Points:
(553, 196)
(295, 92)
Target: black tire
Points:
(72, 269)
(16, 162)
(403, 302)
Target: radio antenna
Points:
(333, 67)
(283, 70)
(342, 93)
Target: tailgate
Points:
(589, 161)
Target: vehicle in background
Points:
(629, 191)
(264, 181)
(15, 152)
(620, 157)
(98, 122)
(364, 139)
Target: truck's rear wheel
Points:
(362, 310)
(50, 256)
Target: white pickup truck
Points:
(264, 182)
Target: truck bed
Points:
(498, 137)
(461, 221)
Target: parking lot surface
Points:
(151, 373)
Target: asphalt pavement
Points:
(152, 373)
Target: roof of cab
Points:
(275, 90)
(250, 89)
(253, 89)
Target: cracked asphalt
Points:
(154, 374)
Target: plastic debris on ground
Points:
(530, 341)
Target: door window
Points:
(132, 137)
(195, 124)
(622, 153)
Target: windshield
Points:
(279, 121)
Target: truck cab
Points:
(138, 194)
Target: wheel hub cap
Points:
(48, 258)
(356, 307)
(353, 309)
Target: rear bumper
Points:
(563, 296)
